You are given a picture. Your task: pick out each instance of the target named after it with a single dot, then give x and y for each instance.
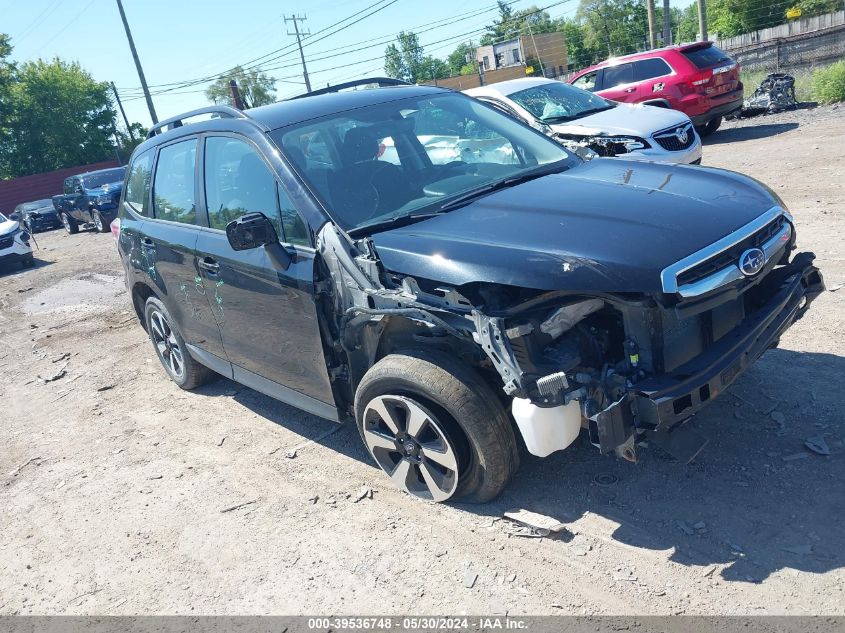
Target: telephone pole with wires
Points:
(138, 64)
(702, 21)
(667, 24)
(123, 112)
(296, 20)
(652, 30)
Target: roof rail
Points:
(176, 121)
(380, 81)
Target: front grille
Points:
(6, 242)
(668, 139)
(731, 256)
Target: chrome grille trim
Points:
(669, 275)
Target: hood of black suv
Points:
(609, 225)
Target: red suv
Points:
(698, 79)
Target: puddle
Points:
(92, 292)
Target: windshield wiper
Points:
(392, 222)
(474, 194)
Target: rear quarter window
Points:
(138, 185)
(706, 57)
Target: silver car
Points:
(585, 122)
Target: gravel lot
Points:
(115, 485)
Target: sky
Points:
(184, 40)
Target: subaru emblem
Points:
(751, 261)
(681, 133)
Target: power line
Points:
(39, 19)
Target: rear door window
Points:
(174, 195)
(706, 57)
(650, 68)
(617, 76)
(138, 186)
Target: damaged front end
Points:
(625, 366)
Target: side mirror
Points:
(14, 215)
(251, 231)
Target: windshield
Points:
(558, 101)
(409, 157)
(100, 178)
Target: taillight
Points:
(115, 228)
(698, 84)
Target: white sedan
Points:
(579, 119)
(14, 243)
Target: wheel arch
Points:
(140, 293)
(658, 103)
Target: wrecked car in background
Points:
(14, 244)
(580, 120)
(452, 310)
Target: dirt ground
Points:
(115, 485)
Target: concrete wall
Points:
(38, 186)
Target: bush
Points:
(829, 83)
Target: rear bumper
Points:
(662, 402)
(699, 120)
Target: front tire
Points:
(71, 225)
(171, 349)
(436, 428)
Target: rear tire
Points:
(426, 411)
(71, 225)
(171, 349)
(711, 126)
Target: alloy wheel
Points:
(98, 222)
(166, 344)
(410, 445)
(66, 222)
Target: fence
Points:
(794, 45)
(38, 186)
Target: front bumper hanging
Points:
(660, 404)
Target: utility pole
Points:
(296, 20)
(536, 52)
(122, 111)
(702, 20)
(138, 64)
(235, 95)
(667, 24)
(652, 31)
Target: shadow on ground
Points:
(748, 133)
(766, 502)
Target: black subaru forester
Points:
(453, 281)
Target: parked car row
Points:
(450, 279)
(89, 199)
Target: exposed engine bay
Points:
(621, 365)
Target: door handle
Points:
(209, 265)
(630, 89)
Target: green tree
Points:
(457, 59)
(256, 88)
(503, 27)
(54, 115)
(404, 60)
(615, 27)
(7, 73)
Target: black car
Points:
(39, 215)
(454, 282)
(90, 198)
